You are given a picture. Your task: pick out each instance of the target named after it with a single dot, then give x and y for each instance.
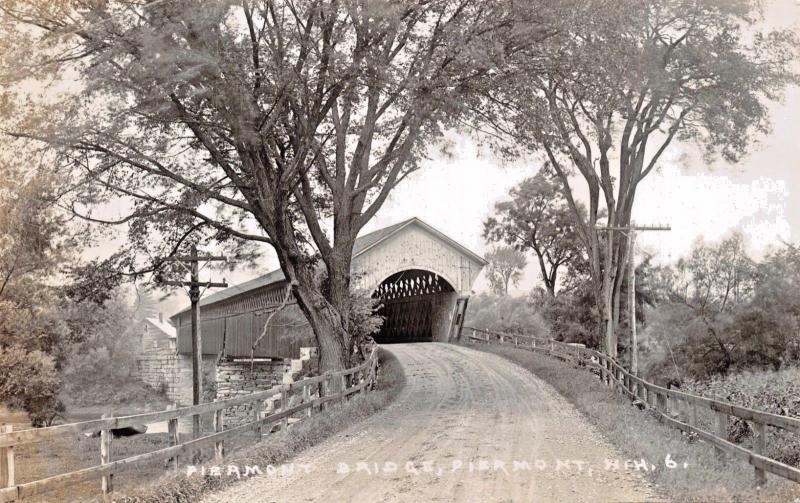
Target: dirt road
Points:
(469, 426)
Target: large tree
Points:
(538, 219)
(279, 122)
(618, 90)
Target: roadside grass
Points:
(639, 435)
(275, 449)
(149, 483)
(72, 452)
(102, 394)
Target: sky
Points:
(759, 196)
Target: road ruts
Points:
(454, 434)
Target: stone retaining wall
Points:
(236, 379)
(172, 373)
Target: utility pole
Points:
(631, 231)
(194, 284)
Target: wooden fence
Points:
(676, 408)
(335, 386)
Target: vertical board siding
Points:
(242, 316)
(240, 320)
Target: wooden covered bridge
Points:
(422, 277)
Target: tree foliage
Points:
(505, 268)
(505, 313)
(621, 87)
(725, 312)
(265, 122)
(538, 219)
(33, 248)
(29, 381)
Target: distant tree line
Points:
(711, 313)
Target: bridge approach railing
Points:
(676, 408)
(336, 386)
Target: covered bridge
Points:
(422, 277)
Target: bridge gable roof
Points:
(362, 246)
(373, 239)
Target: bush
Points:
(770, 391)
(29, 381)
(505, 314)
(571, 316)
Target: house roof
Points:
(361, 245)
(163, 326)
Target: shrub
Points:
(505, 314)
(775, 392)
(29, 381)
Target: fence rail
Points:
(677, 408)
(336, 386)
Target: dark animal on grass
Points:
(127, 431)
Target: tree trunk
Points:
(332, 338)
(325, 320)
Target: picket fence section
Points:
(335, 386)
(676, 408)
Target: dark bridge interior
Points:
(414, 304)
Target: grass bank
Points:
(639, 435)
(278, 447)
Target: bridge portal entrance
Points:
(416, 305)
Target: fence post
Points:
(6, 461)
(219, 426)
(600, 370)
(663, 403)
(344, 385)
(516, 341)
(722, 430)
(761, 448)
(307, 398)
(284, 406)
(172, 435)
(600, 365)
(257, 428)
(693, 417)
(107, 483)
(375, 372)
